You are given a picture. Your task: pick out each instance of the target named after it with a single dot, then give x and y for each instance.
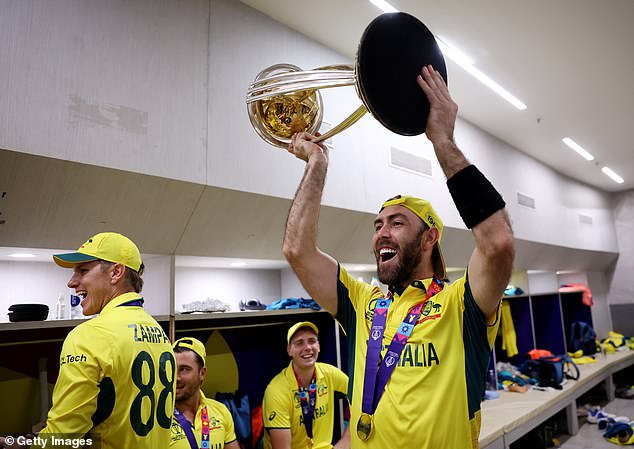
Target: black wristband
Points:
(475, 197)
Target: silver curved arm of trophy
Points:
(284, 100)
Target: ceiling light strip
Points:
(578, 148)
(616, 178)
(383, 6)
(464, 62)
(22, 255)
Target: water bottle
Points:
(491, 383)
(60, 308)
(75, 308)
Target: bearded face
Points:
(397, 261)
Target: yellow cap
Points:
(108, 246)
(297, 326)
(425, 212)
(192, 344)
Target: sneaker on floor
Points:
(594, 414)
(605, 423)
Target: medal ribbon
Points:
(204, 441)
(376, 376)
(307, 399)
(187, 428)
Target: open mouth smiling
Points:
(386, 254)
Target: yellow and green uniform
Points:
(116, 380)
(281, 408)
(221, 430)
(432, 399)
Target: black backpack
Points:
(550, 371)
(583, 337)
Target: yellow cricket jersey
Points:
(116, 381)
(281, 407)
(221, 430)
(432, 399)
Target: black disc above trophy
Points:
(391, 54)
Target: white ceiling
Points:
(570, 61)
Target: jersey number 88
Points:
(146, 390)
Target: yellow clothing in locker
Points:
(509, 339)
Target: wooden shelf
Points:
(512, 415)
(224, 320)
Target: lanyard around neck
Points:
(307, 399)
(378, 372)
(187, 428)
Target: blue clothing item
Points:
(511, 290)
(505, 375)
(294, 303)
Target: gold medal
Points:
(364, 426)
(309, 442)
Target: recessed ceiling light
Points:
(578, 148)
(22, 255)
(359, 268)
(616, 178)
(238, 264)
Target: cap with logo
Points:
(424, 210)
(108, 246)
(297, 326)
(192, 344)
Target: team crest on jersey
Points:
(370, 310)
(177, 430)
(429, 307)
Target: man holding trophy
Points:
(420, 352)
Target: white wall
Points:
(226, 285)
(542, 282)
(113, 83)
(290, 285)
(41, 282)
(31, 282)
(621, 289)
(601, 317)
(156, 284)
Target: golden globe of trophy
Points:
(284, 100)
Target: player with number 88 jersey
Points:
(117, 371)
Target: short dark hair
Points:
(199, 359)
(133, 278)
